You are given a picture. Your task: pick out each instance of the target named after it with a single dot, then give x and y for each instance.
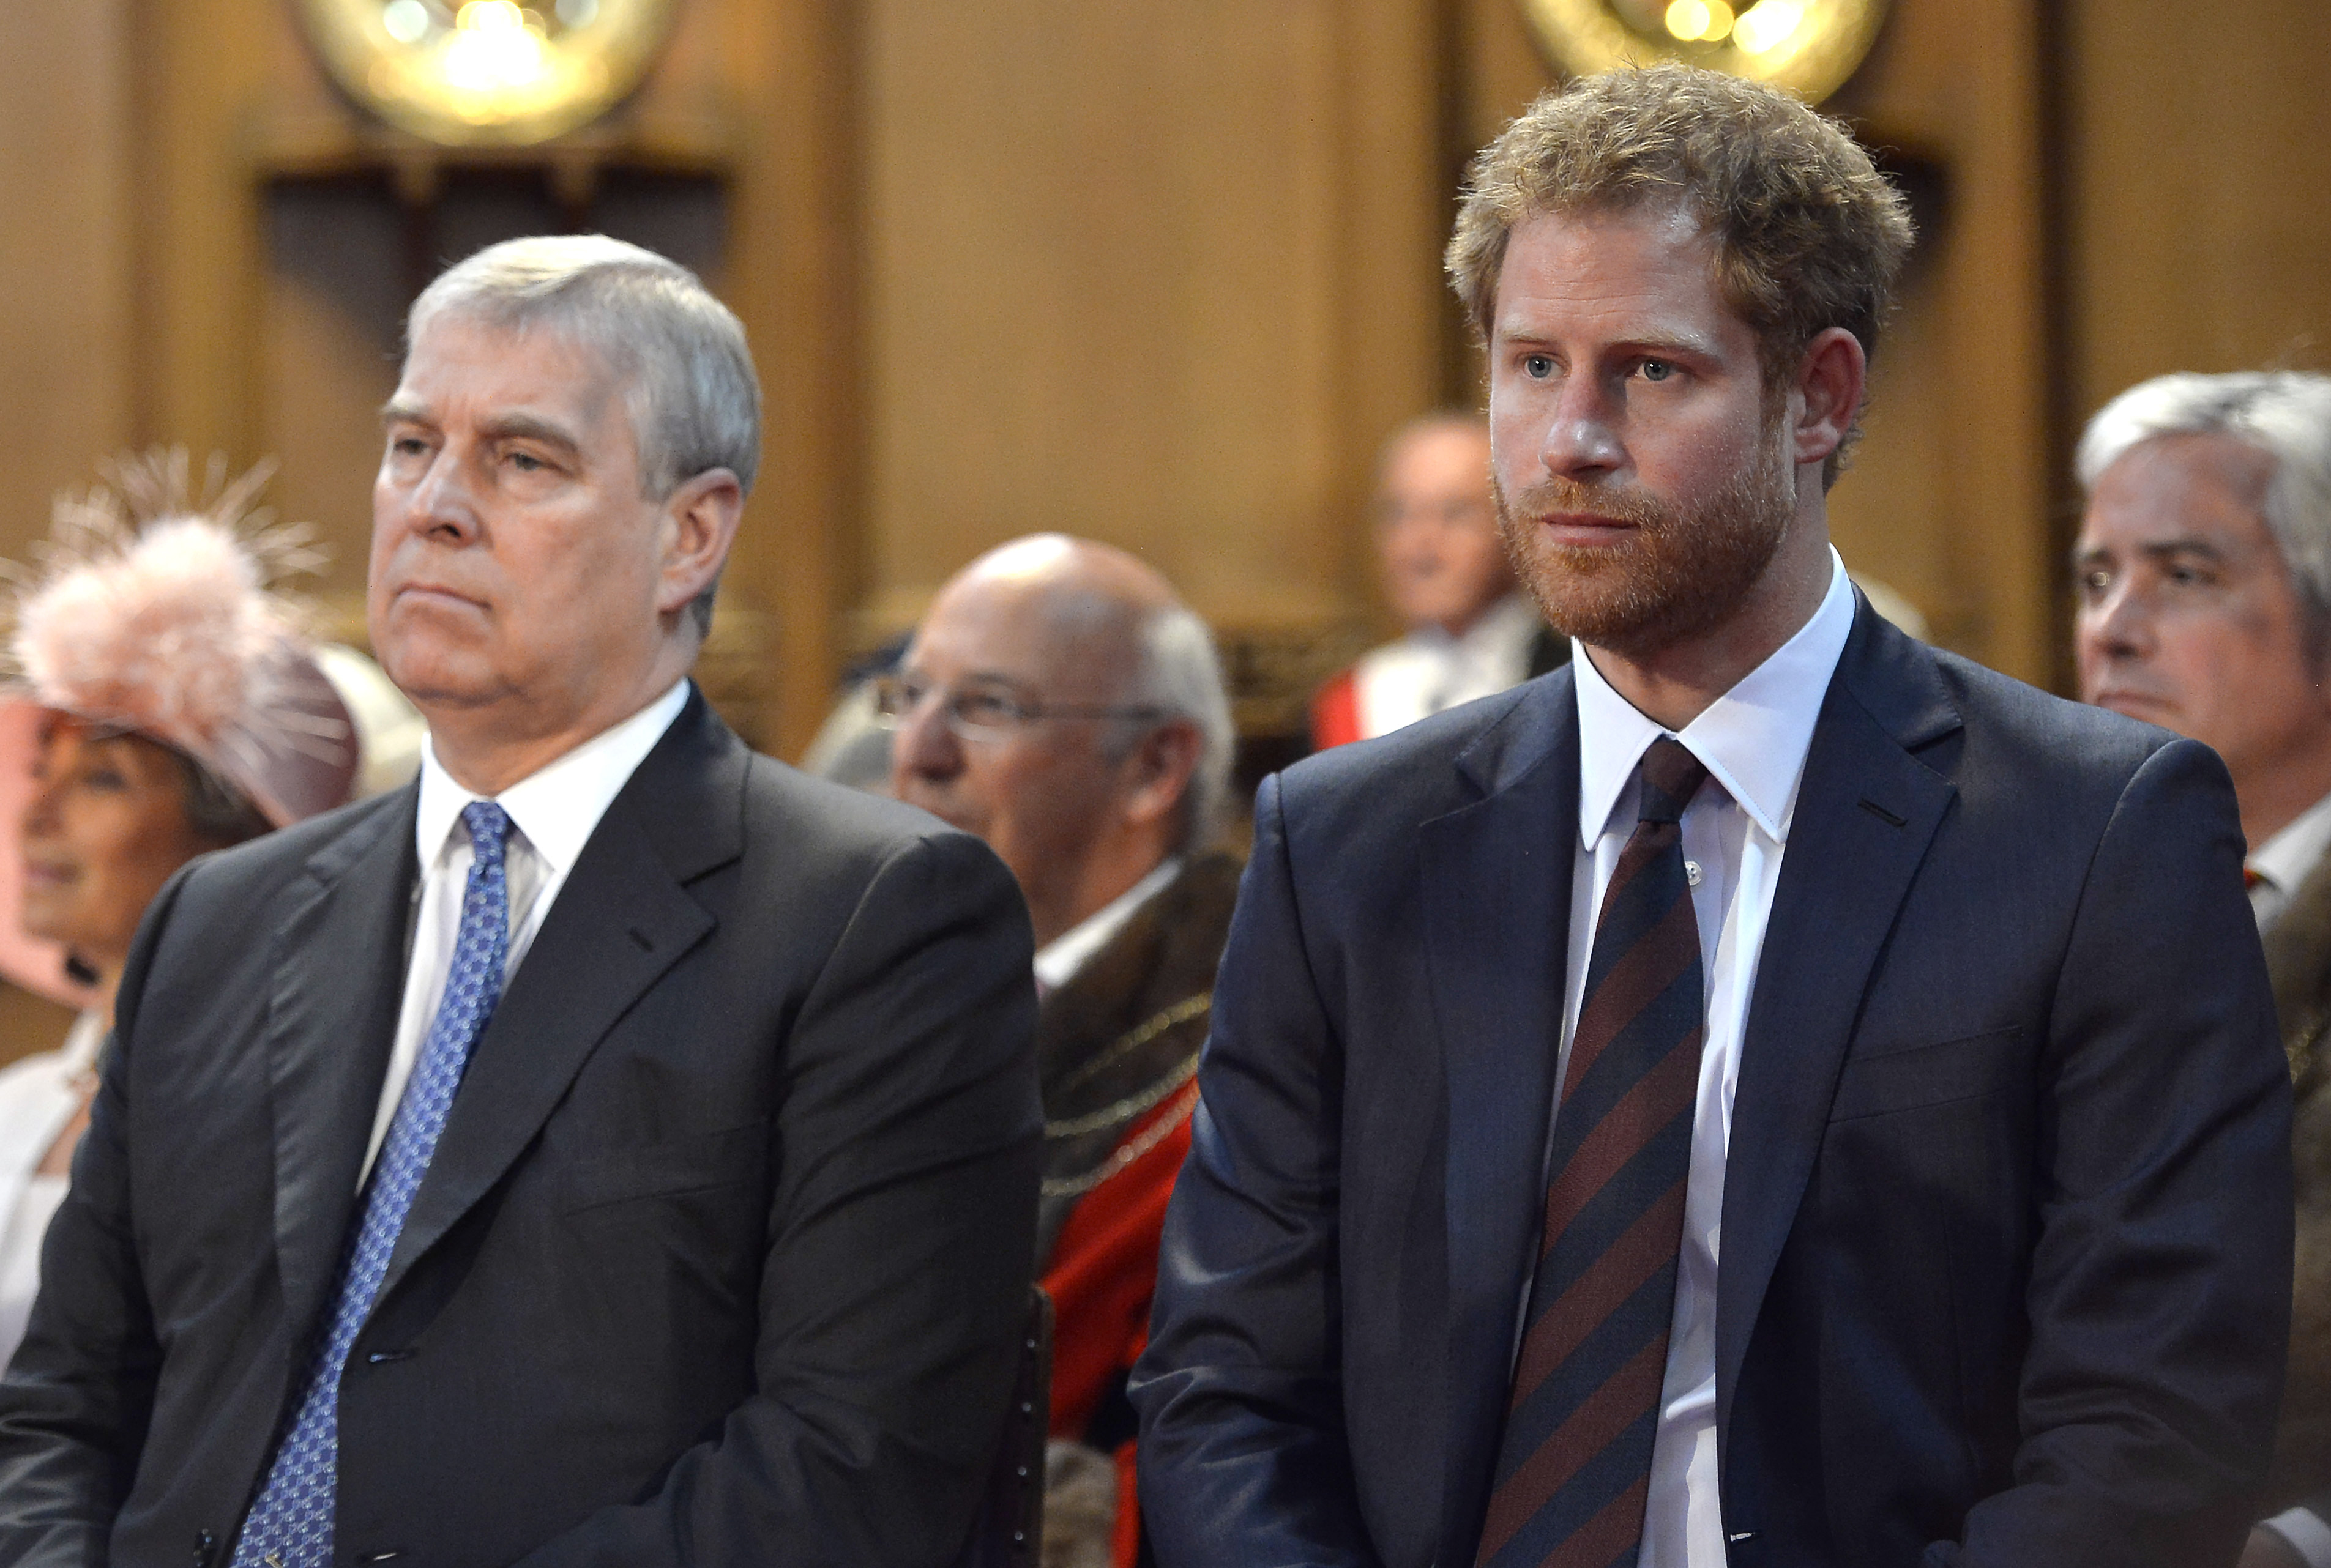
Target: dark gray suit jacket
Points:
(722, 1260)
(2006, 1241)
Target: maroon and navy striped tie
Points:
(1574, 1467)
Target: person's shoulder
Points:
(249, 869)
(1413, 772)
(814, 821)
(2053, 736)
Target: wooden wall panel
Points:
(65, 253)
(2201, 234)
(1160, 276)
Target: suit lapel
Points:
(339, 937)
(1866, 812)
(1497, 878)
(623, 919)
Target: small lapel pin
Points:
(1691, 872)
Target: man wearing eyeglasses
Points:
(1063, 704)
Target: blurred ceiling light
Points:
(1806, 47)
(465, 72)
(407, 21)
(1688, 19)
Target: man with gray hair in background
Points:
(2204, 573)
(615, 1147)
(1062, 703)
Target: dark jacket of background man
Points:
(2067, 1074)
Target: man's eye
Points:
(1656, 370)
(984, 707)
(1537, 366)
(2096, 582)
(525, 462)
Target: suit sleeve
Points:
(1242, 1456)
(2159, 1296)
(901, 1242)
(74, 1404)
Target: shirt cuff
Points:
(2309, 1535)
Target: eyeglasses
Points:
(988, 710)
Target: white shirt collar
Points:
(1753, 738)
(2285, 859)
(1058, 961)
(557, 807)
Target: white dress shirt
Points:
(1428, 670)
(1058, 961)
(1754, 740)
(553, 811)
(2285, 859)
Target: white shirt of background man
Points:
(1428, 670)
(553, 812)
(1058, 961)
(1753, 739)
(2286, 860)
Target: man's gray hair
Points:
(2285, 414)
(1178, 672)
(694, 400)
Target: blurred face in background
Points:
(106, 827)
(1040, 792)
(1437, 526)
(2188, 616)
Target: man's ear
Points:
(700, 524)
(1827, 396)
(1157, 773)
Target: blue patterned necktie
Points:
(290, 1524)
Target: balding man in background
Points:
(2204, 566)
(1472, 632)
(1063, 704)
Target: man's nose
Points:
(443, 506)
(1581, 439)
(2119, 624)
(923, 745)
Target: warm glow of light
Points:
(1687, 19)
(1767, 24)
(493, 49)
(1719, 22)
(407, 21)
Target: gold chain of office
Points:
(1133, 1106)
(1126, 1153)
(1124, 1045)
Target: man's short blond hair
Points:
(1808, 234)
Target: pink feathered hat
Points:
(154, 612)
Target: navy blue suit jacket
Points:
(2006, 1244)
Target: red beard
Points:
(1679, 573)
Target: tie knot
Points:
(489, 826)
(1671, 775)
